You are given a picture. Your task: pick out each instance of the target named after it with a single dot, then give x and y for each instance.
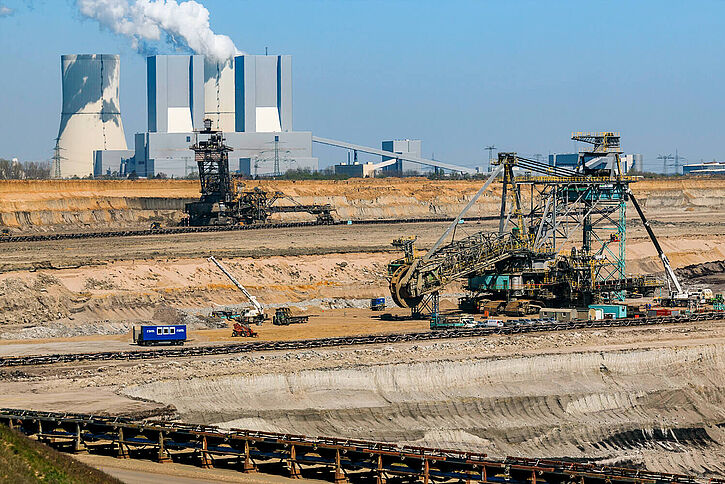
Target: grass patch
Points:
(23, 460)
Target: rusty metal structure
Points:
(222, 202)
(560, 242)
(338, 460)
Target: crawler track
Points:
(221, 228)
(349, 340)
(337, 459)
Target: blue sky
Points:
(460, 75)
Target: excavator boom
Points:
(661, 253)
(249, 296)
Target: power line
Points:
(490, 155)
(665, 159)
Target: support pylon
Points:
(206, 461)
(380, 476)
(162, 456)
(292, 466)
(248, 465)
(340, 477)
(78, 445)
(121, 449)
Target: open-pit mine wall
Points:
(660, 408)
(29, 206)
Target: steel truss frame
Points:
(562, 210)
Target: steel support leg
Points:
(163, 456)
(292, 466)
(340, 477)
(206, 461)
(248, 465)
(40, 433)
(380, 475)
(121, 449)
(78, 445)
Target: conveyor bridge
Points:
(337, 459)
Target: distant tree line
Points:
(32, 170)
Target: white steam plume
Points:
(184, 24)
(5, 11)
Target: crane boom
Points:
(661, 253)
(239, 285)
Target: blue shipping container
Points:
(377, 303)
(159, 334)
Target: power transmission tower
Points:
(56, 160)
(665, 159)
(490, 155)
(678, 160)
(276, 157)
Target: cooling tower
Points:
(91, 116)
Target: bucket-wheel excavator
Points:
(223, 202)
(534, 258)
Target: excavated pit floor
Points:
(662, 408)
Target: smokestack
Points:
(91, 116)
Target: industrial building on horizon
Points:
(704, 168)
(248, 98)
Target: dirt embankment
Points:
(711, 274)
(110, 298)
(652, 397)
(101, 204)
(660, 408)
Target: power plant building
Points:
(249, 99)
(411, 147)
(91, 114)
(219, 95)
(263, 93)
(175, 93)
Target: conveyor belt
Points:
(292, 455)
(351, 340)
(220, 228)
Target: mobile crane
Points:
(254, 315)
(678, 295)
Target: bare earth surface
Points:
(603, 395)
(651, 397)
(143, 472)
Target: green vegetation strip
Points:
(23, 460)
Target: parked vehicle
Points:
(283, 317)
(244, 331)
(174, 334)
(377, 304)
